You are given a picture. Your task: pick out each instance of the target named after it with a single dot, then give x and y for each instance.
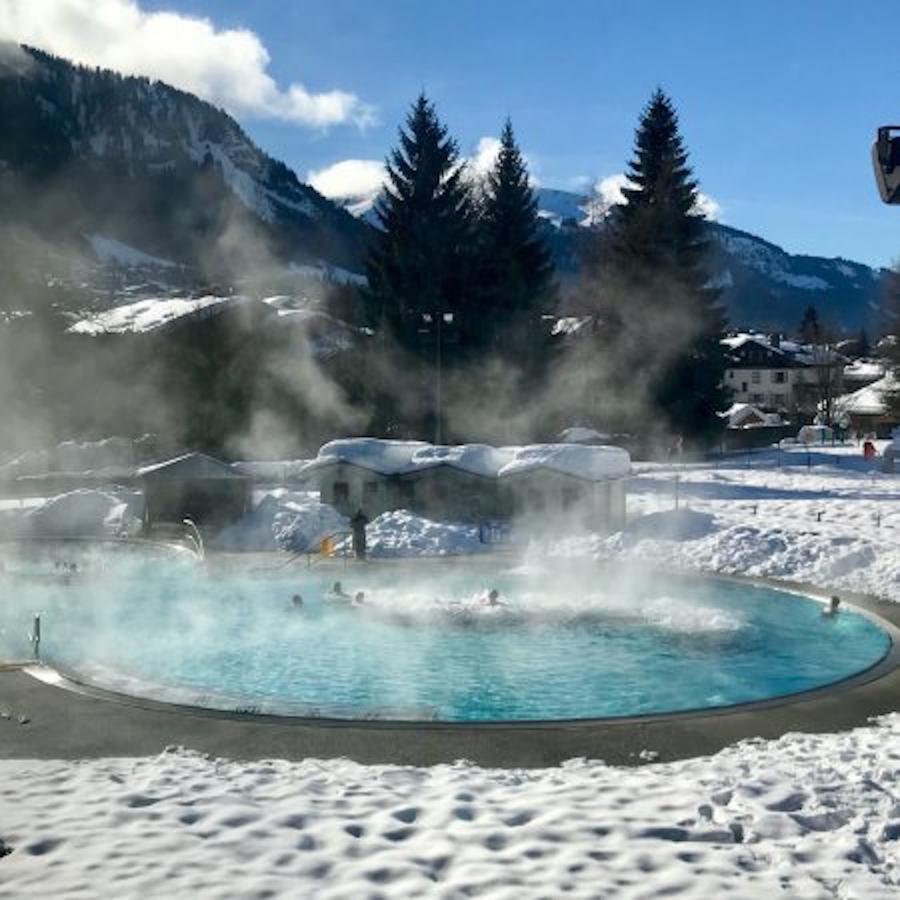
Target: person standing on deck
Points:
(358, 524)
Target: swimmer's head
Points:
(297, 600)
(493, 596)
(360, 597)
(336, 587)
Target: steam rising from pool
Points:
(566, 641)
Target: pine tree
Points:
(420, 260)
(516, 266)
(810, 328)
(656, 264)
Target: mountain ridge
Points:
(152, 167)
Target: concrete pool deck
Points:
(46, 716)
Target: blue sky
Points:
(778, 100)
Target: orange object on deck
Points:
(326, 548)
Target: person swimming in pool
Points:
(493, 598)
(359, 599)
(832, 609)
(297, 601)
(337, 594)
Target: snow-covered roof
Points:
(151, 313)
(593, 463)
(861, 369)
(191, 465)
(870, 400)
(738, 413)
(384, 457)
(570, 325)
(805, 354)
(478, 459)
(738, 340)
(578, 434)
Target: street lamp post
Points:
(440, 319)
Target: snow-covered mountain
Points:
(129, 172)
(762, 285)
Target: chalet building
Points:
(194, 486)
(781, 376)
(869, 410)
(474, 482)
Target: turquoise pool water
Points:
(573, 641)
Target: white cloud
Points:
(708, 207)
(482, 160)
(225, 67)
(349, 178)
(352, 178)
(607, 192)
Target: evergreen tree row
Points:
(452, 253)
(470, 266)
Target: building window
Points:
(341, 492)
(757, 398)
(743, 387)
(756, 376)
(780, 377)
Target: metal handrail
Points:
(195, 536)
(310, 551)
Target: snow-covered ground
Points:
(824, 516)
(806, 816)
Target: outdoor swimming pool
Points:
(574, 642)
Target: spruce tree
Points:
(810, 328)
(420, 260)
(516, 266)
(656, 263)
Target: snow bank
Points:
(283, 519)
(400, 533)
(823, 516)
(78, 513)
(806, 816)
